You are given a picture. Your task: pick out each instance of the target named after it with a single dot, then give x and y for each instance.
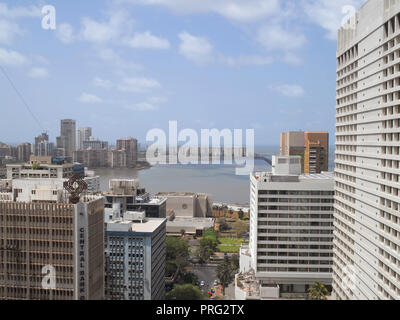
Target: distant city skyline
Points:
(126, 67)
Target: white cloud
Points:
(110, 56)
(200, 51)
(235, 10)
(328, 14)
(101, 32)
(102, 83)
(12, 58)
(65, 33)
(246, 61)
(89, 98)
(145, 40)
(196, 49)
(138, 85)
(38, 73)
(8, 30)
(288, 90)
(275, 37)
(143, 106)
(19, 12)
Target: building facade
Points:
(45, 237)
(68, 137)
(367, 203)
(84, 134)
(291, 230)
(136, 257)
(311, 146)
(130, 145)
(24, 152)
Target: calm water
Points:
(217, 180)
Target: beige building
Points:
(188, 204)
(367, 203)
(312, 146)
(42, 233)
(24, 152)
(130, 145)
(92, 158)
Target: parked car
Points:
(202, 284)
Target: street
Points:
(207, 274)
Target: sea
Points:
(219, 181)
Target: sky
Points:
(124, 67)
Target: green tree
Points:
(225, 273)
(208, 245)
(177, 253)
(235, 263)
(240, 228)
(190, 278)
(223, 225)
(241, 214)
(185, 292)
(318, 291)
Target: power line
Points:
(22, 98)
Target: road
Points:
(206, 274)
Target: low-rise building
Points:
(291, 229)
(135, 257)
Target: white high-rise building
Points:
(367, 202)
(291, 232)
(84, 134)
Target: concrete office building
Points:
(48, 168)
(84, 134)
(188, 204)
(291, 232)
(116, 158)
(130, 145)
(312, 146)
(42, 145)
(135, 257)
(92, 158)
(95, 144)
(367, 203)
(41, 229)
(128, 195)
(67, 139)
(24, 152)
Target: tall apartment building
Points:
(42, 146)
(67, 139)
(312, 146)
(41, 231)
(130, 145)
(367, 203)
(116, 158)
(92, 158)
(84, 134)
(135, 257)
(291, 232)
(24, 152)
(95, 144)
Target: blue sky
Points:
(124, 67)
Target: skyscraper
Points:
(68, 136)
(291, 231)
(43, 234)
(312, 146)
(84, 134)
(130, 145)
(24, 152)
(367, 202)
(42, 145)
